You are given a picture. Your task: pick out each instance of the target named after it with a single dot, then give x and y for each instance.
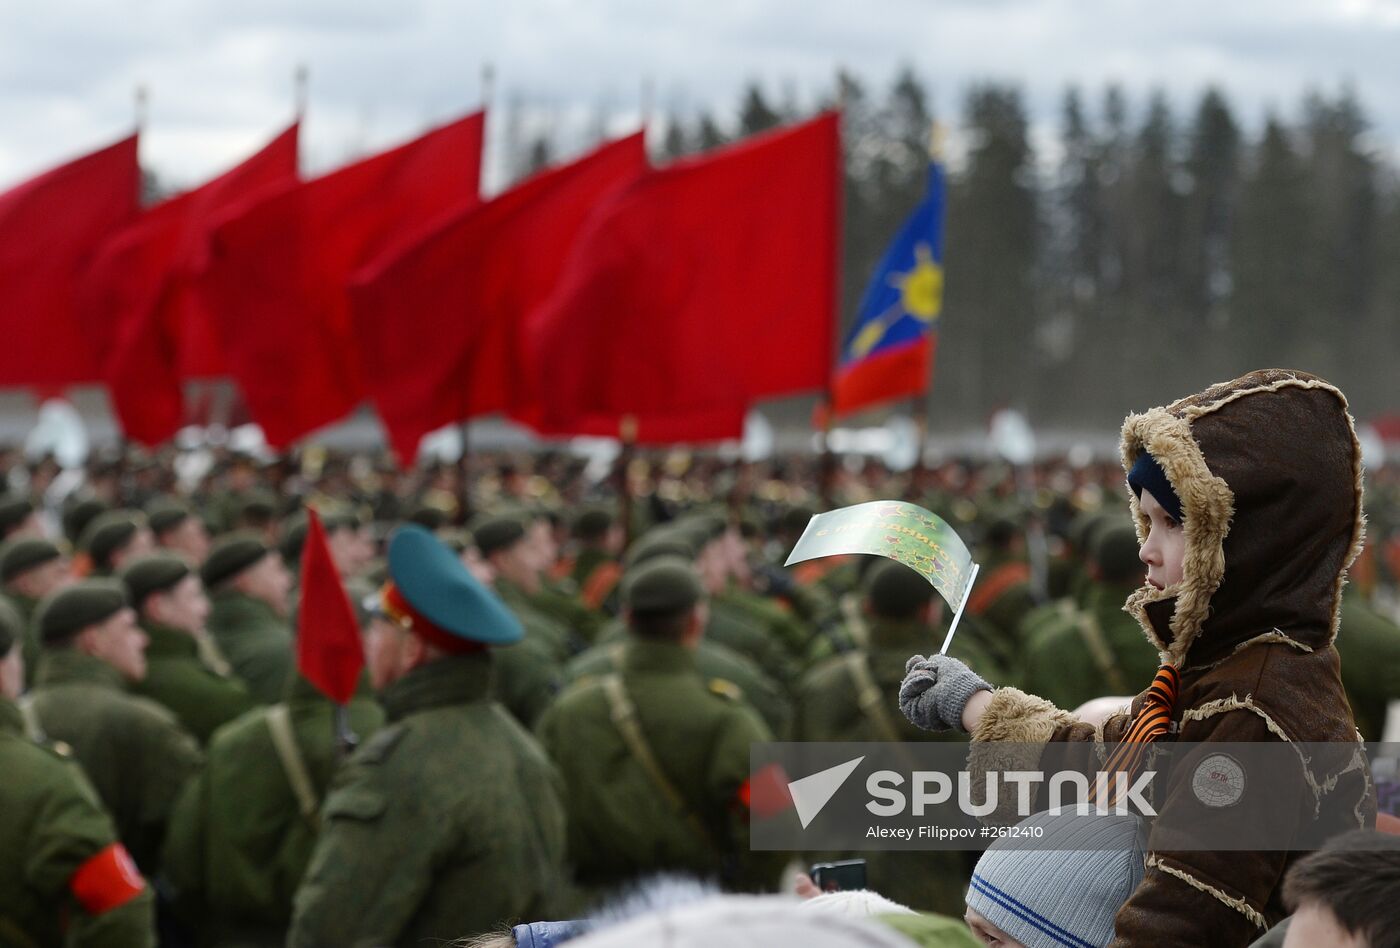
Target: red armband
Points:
(765, 793)
(107, 881)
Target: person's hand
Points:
(935, 691)
(805, 888)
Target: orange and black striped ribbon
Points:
(1153, 719)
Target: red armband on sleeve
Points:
(107, 881)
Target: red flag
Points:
(50, 227)
(140, 302)
(279, 272)
(696, 290)
(438, 324)
(330, 653)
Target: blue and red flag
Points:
(888, 353)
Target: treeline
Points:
(1151, 253)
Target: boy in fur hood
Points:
(1247, 500)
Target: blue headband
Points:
(1148, 475)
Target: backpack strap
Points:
(1092, 635)
(33, 727)
(284, 740)
(870, 698)
(624, 718)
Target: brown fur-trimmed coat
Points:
(1268, 471)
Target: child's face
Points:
(1165, 546)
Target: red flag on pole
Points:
(330, 653)
(278, 275)
(465, 288)
(50, 226)
(140, 303)
(696, 290)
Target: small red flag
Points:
(330, 653)
(695, 291)
(50, 227)
(279, 272)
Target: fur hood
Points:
(1268, 471)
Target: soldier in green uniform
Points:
(449, 821)
(249, 589)
(30, 569)
(18, 518)
(133, 750)
(656, 759)
(178, 530)
(65, 879)
(1096, 650)
(503, 540)
(852, 697)
(596, 568)
(184, 671)
(1002, 595)
(78, 512)
(115, 538)
(244, 829)
(1369, 644)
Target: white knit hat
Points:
(1064, 887)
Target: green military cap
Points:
(152, 574)
(704, 525)
(13, 509)
(592, 523)
(662, 584)
(494, 532)
(108, 531)
(428, 516)
(67, 612)
(295, 536)
(165, 514)
(79, 515)
(667, 542)
(1115, 553)
(11, 627)
(20, 556)
(231, 555)
(896, 591)
(258, 505)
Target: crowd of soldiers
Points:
(563, 679)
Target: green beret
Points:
(20, 556)
(494, 532)
(79, 515)
(428, 516)
(258, 505)
(11, 627)
(152, 574)
(593, 523)
(897, 592)
(108, 532)
(67, 612)
(13, 509)
(294, 538)
(1115, 553)
(663, 584)
(165, 514)
(705, 526)
(659, 543)
(230, 555)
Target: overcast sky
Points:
(220, 73)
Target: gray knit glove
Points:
(935, 691)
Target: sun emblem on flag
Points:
(920, 296)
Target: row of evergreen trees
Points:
(1152, 253)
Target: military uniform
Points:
(1369, 644)
(1090, 652)
(449, 822)
(255, 640)
(656, 759)
(54, 833)
(133, 750)
(717, 664)
(244, 829)
(16, 558)
(181, 677)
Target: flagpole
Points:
(919, 410)
(827, 467)
(627, 434)
(301, 84)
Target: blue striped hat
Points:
(1063, 889)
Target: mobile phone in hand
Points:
(844, 876)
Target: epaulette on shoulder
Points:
(726, 689)
(378, 748)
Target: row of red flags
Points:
(593, 297)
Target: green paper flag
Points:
(903, 532)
